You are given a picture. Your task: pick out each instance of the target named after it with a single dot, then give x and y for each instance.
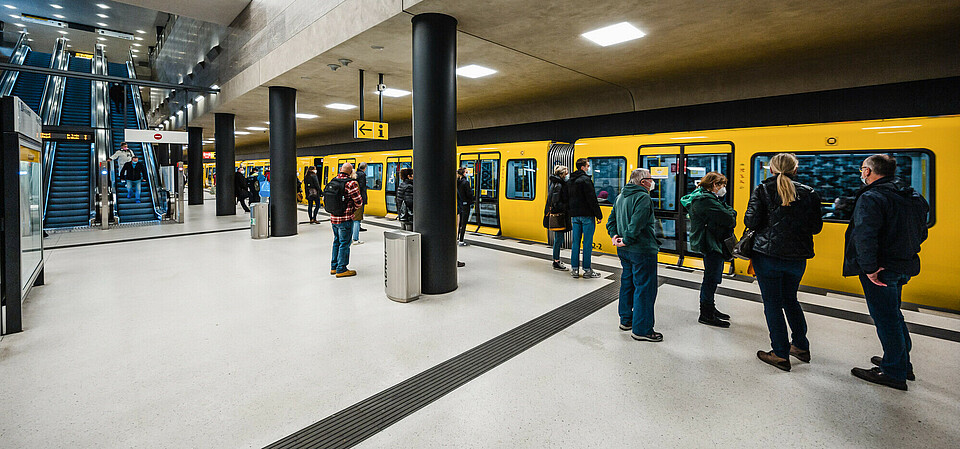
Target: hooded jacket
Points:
(711, 221)
(557, 199)
(785, 232)
(889, 224)
(632, 219)
(583, 196)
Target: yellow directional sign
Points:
(370, 130)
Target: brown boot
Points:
(773, 359)
(346, 274)
(801, 354)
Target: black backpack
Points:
(335, 196)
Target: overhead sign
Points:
(370, 130)
(151, 136)
(209, 154)
(659, 172)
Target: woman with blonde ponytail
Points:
(785, 215)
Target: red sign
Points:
(158, 136)
(208, 154)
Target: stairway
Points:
(29, 86)
(128, 209)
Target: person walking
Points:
(711, 222)
(362, 181)
(253, 185)
(341, 198)
(465, 201)
(882, 246)
(630, 227)
(555, 215)
(312, 185)
(785, 215)
(585, 214)
(240, 189)
(123, 155)
(133, 172)
(404, 199)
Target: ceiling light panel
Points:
(256, 128)
(390, 92)
(340, 106)
(102, 6)
(56, 6)
(475, 71)
(308, 116)
(9, 6)
(103, 16)
(614, 34)
(60, 16)
(241, 133)
(102, 24)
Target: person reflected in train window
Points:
(603, 196)
(312, 184)
(630, 228)
(842, 208)
(785, 216)
(711, 222)
(253, 184)
(555, 214)
(882, 248)
(404, 199)
(465, 199)
(361, 173)
(585, 215)
(240, 189)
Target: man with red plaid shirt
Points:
(343, 225)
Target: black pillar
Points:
(435, 149)
(195, 165)
(224, 126)
(163, 153)
(283, 161)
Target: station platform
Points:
(195, 335)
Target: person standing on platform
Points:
(240, 189)
(630, 227)
(555, 215)
(882, 246)
(465, 200)
(123, 155)
(362, 181)
(133, 172)
(405, 199)
(341, 198)
(785, 215)
(711, 222)
(312, 184)
(265, 186)
(584, 209)
(253, 184)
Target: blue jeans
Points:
(712, 276)
(582, 227)
(638, 290)
(341, 246)
(884, 306)
(779, 281)
(356, 230)
(557, 244)
(131, 185)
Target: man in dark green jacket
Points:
(631, 228)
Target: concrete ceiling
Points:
(546, 69)
(221, 12)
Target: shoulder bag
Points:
(744, 248)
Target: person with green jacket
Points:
(711, 222)
(630, 227)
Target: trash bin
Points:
(259, 220)
(401, 267)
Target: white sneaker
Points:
(358, 242)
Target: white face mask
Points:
(653, 185)
(566, 177)
(722, 192)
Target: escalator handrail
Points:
(9, 78)
(153, 172)
(101, 105)
(51, 103)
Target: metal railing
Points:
(51, 105)
(153, 172)
(9, 78)
(102, 145)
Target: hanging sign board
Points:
(151, 136)
(370, 130)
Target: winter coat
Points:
(632, 219)
(464, 193)
(240, 186)
(582, 196)
(310, 181)
(711, 221)
(557, 201)
(785, 232)
(405, 195)
(362, 180)
(889, 224)
(133, 172)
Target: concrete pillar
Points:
(195, 165)
(283, 161)
(224, 126)
(435, 149)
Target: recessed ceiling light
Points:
(614, 34)
(242, 133)
(141, 32)
(101, 38)
(102, 6)
(60, 16)
(889, 127)
(62, 32)
(475, 71)
(19, 24)
(311, 116)
(137, 45)
(10, 7)
(135, 56)
(14, 16)
(29, 40)
(56, 6)
(103, 16)
(138, 38)
(391, 92)
(341, 106)
(102, 24)
(256, 128)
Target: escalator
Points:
(29, 86)
(128, 210)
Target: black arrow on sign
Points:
(362, 129)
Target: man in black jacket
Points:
(465, 200)
(240, 189)
(585, 214)
(133, 173)
(882, 245)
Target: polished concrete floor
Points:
(217, 340)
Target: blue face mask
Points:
(566, 177)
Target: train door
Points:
(677, 169)
(394, 165)
(483, 171)
(560, 154)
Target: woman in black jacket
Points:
(557, 205)
(312, 184)
(405, 199)
(785, 215)
(240, 188)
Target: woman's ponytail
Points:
(785, 164)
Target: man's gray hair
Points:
(362, 166)
(637, 175)
(346, 168)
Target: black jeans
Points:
(779, 281)
(464, 216)
(313, 206)
(712, 276)
(242, 204)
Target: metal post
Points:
(283, 161)
(224, 127)
(361, 94)
(178, 212)
(380, 83)
(105, 196)
(194, 165)
(434, 148)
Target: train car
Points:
(383, 174)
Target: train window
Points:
(374, 176)
(521, 179)
(609, 174)
(836, 177)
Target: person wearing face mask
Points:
(555, 214)
(711, 222)
(585, 215)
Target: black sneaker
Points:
(626, 327)
(575, 273)
(713, 321)
(877, 360)
(460, 264)
(801, 354)
(773, 359)
(363, 230)
(590, 274)
(655, 337)
(559, 266)
(877, 376)
(720, 314)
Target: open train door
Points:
(483, 171)
(560, 154)
(394, 165)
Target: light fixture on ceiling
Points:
(62, 32)
(241, 133)
(102, 6)
(60, 16)
(394, 93)
(257, 128)
(377, 47)
(101, 38)
(333, 67)
(614, 34)
(141, 32)
(134, 50)
(20, 25)
(891, 127)
(103, 16)
(15, 16)
(137, 45)
(214, 86)
(344, 61)
(102, 24)
(9, 6)
(138, 38)
(307, 116)
(29, 40)
(341, 106)
(475, 71)
(56, 6)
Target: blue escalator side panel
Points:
(127, 208)
(68, 202)
(29, 86)
(77, 96)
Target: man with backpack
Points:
(341, 198)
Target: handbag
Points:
(729, 245)
(744, 248)
(557, 222)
